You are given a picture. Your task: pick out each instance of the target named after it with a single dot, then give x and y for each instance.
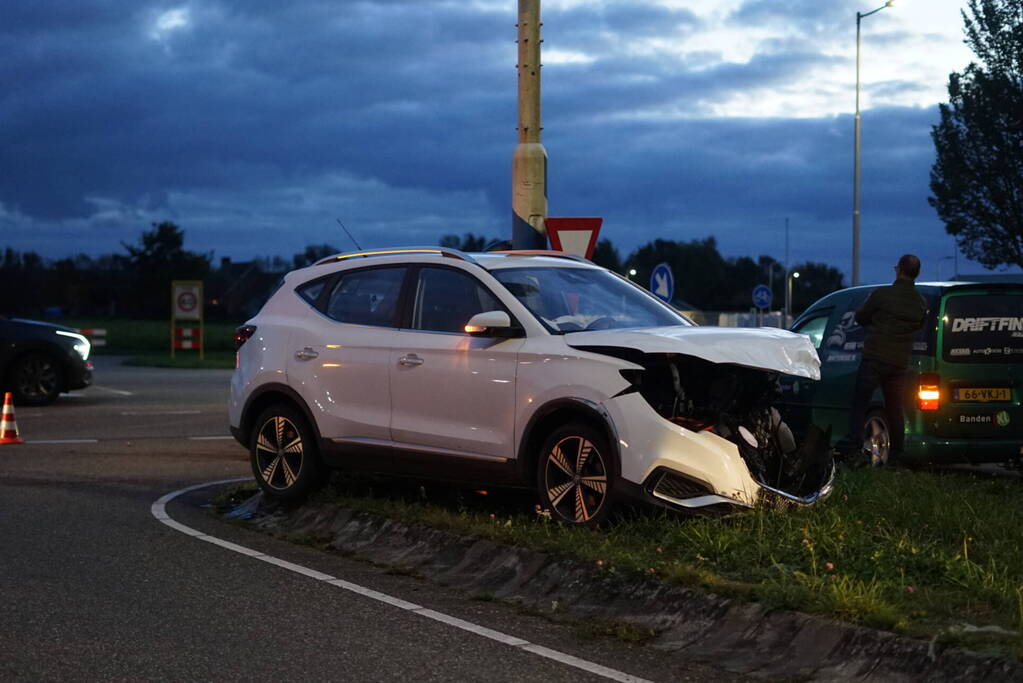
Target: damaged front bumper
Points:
(668, 465)
(672, 489)
(820, 494)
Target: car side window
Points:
(814, 328)
(367, 297)
(446, 298)
(311, 291)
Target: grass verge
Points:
(926, 554)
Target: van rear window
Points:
(983, 328)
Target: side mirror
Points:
(491, 324)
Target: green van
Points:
(964, 392)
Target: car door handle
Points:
(410, 359)
(306, 354)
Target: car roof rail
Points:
(398, 251)
(540, 252)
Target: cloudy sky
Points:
(253, 125)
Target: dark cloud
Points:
(257, 123)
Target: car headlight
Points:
(82, 345)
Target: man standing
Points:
(892, 316)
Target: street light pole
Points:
(943, 258)
(856, 152)
(788, 297)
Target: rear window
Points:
(983, 328)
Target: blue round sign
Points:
(762, 296)
(662, 282)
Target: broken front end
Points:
(711, 438)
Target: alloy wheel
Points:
(575, 479)
(36, 379)
(279, 453)
(877, 443)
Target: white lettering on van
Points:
(1006, 324)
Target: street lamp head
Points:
(889, 3)
(795, 274)
(632, 272)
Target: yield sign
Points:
(574, 235)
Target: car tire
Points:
(284, 454)
(877, 438)
(575, 475)
(35, 380)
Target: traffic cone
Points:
(8, 425)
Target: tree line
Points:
(704, 279)
(136, 282)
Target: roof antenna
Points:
(348, 233)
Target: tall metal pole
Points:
(529, 162)
(855, 171)
(788, 290)
(856, 153)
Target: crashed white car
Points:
(521, 368)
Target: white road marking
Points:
(128, 438)
(159, 511)
(119, 392)
(51, 441)
(161, 412)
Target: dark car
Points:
(964, 393)
(39, 361)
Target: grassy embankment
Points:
(930, 555)
(147, 342)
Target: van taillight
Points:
(928, 391)
(242, 334)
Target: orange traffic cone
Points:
(8, 425)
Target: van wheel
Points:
(575, 475)
(877, 438)
(284, 455)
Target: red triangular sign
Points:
(574, 235)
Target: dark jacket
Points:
(892, 315)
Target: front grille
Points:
(678, 487)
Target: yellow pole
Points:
(529, 162)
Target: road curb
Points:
(743, 638)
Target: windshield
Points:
(577, 299)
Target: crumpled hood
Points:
(755, 347)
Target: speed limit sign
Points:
(186, 305)
(187, 300)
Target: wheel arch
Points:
(266, 396)
(560, 412)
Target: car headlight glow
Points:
(82, 345)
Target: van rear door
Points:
(980, 368)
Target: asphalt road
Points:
(94, 587)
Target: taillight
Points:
(928, 391)
(242, 334)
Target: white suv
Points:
(520, 368)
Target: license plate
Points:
(983, 395)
